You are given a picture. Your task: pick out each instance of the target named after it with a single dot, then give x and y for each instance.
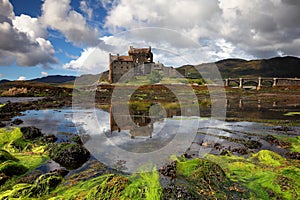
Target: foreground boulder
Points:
(31, 133)
(199, 179)
(70, 156)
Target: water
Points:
(4, 100)
(170, 135)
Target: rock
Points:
(31, 132)
(30, 178)
(60, 172)
(11, 168)
(17, 121)
(2, 125)
(226, 152)
(71, 156)
(169, 170)
(177, 192)
(253, 144)
(293, 155)
(49, 138)
(240, 150)
(274, 141)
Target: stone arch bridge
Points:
(261, 81)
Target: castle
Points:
(139, 62)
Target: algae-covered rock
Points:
(4, 156)
(71, 156)
(31, 132)
(267, 157)
(11, 168)
(200, 178)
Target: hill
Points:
(274, 67)
(54, 79)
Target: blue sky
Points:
(73, 37)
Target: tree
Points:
(155, 77)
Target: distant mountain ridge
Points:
(54, 79)
(288, 66)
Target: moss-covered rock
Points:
(30, 132)
(11, 168)
(4, 156)
(71, 156)
(201, 179)
(267, 157)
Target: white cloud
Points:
(44, 73)
(22, 40)
(31, 26)
(84, 7)
(1, 75)
(60, 16)
(223, 28)
(92, 60)
(21, 78)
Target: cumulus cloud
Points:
(91, 60)
(60, 16)
(225, 28)
(21, 78)
(44, 73)
(22, 39)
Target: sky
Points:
(74, 37)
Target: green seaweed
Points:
(144, 185)
(4, 156)
(11, 168)
(267, 157)
(266, 174)
(9, 135)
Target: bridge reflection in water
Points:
(261, 82)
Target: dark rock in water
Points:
(282, 128)
(17, 121)
(253, 144)
(11, 168)
(31, 132)
(2, 125)
(241, 150)
(49, 138)
(274, 141)
(5, 156)
(30, 178)
(60, 172)
(226, 152)
(3, 178)
(293, 155)
(70, 156)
